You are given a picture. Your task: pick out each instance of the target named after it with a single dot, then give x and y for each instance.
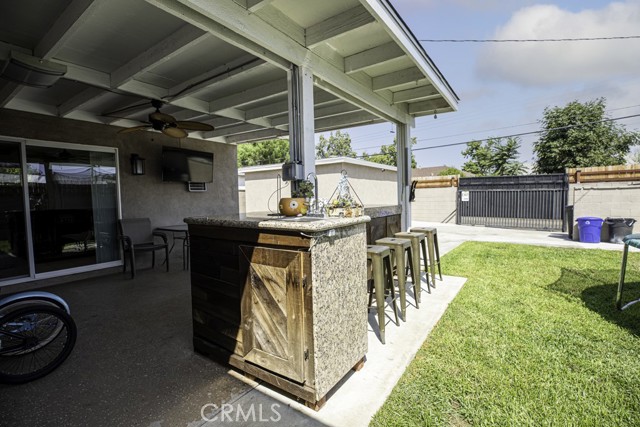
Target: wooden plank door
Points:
(272, 310)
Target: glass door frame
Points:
(24, 143)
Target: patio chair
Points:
(629, 240)
(136, 236)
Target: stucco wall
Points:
(435, 205)
(374, 185)
(141, 196)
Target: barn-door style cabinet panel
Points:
(273, 309)
(285, 303)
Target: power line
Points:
(527, 133)
(512, 135)
(576, 39)
(489, 130)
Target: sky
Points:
(505, 87)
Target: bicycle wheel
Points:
(33, 342)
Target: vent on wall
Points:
(31, 71)
(195, 187)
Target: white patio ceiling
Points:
(222, 62)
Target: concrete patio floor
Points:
(133, 364)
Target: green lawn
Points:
(533, 338)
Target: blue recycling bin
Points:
(589, 228)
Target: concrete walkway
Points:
(452, 235)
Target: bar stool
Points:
(416, 240)
(432, 243)
(401, 252)
(380, 257)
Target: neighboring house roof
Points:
(430, 171)
(320, 162)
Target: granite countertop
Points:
(263, 220)
(379, 211)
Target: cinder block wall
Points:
(605, 199)
(435, 205)
(601, 199)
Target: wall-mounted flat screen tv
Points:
(182, 165)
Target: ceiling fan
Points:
(168, 124)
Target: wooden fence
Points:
(437, 181)
(604, 174)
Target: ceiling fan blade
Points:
(174, 132)
(161, 117)
(134, 129)
(194, 126)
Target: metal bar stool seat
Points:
(402, 254)
(629, 240)
(433, 248)
(382, 278)
(417, 240)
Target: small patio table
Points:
(179, 232)
(629, 240)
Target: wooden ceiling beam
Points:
(337, 25)
(397, 78)
(257, 93)
(186, 37)
(374, 56)
(79, 100)
(71, 19)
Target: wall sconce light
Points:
(137, 165)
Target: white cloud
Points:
(474, 5)
(548, 63)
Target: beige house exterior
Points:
(374, 183)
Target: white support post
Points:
(403, 145)
(301, 118)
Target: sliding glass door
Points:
(14, 254)
(72, 208)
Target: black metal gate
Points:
(529, 201)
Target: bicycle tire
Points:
(23, 358)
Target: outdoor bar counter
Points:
(281, 299)
(385, 222)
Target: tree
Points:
(495, 157)
(338, 145)
(389, 155)
(263, 153)
(579, 135)
(450, 170)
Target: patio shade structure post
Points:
(301, 118)
(403, 146)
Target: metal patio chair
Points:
(136, 236)
(629, 240)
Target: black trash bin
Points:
(619, 227)
(568, 211)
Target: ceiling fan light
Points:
(174, 132)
